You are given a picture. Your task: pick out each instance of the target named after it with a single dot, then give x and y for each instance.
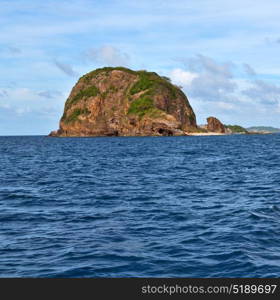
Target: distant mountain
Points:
(263, 129)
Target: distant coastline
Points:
(216, 133)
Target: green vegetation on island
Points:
(91, 91)
(144, 106)
(152, 83)
(236, 128)
(75, 114)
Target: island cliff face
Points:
(122, 102)
(214, 125)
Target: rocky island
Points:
(215, 125)
(122, 102)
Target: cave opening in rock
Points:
(113, 133)
(165, 132)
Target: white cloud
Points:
(66, 68)
(182, 77)
(264, 93)
(49, 94)
(24, 100)
(213, 89)
(22, 110)
(10, 50)
(206, 79)
(226, 105)
(201, 63)
(249, 70)
(3, 93)
(108, 55)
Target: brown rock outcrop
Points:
(214, 125)
(122, 102)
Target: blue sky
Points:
(225, 55)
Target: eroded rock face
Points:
(122, 102)
(214, 125)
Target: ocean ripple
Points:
(140, 206)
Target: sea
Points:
(189, 206)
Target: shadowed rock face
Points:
(214, 125)
(122, 102)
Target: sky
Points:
(224, 55)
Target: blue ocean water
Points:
(140, 206)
